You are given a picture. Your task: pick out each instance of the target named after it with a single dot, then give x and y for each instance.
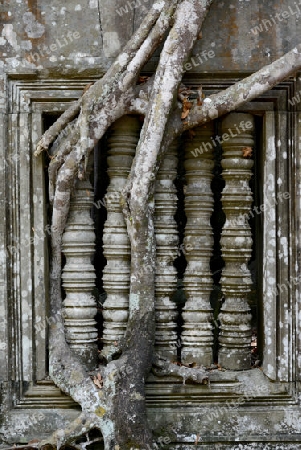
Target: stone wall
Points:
(43, 37)
(49, 51)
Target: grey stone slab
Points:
(3, 297)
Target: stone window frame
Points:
(25, 355)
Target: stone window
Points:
(32, 104)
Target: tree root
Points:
(79, 426)
(162, 367)
(60, 150)
(110, 352)
(52, 133)
(243, 91)
(30, 446)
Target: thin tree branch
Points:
(52, 133)
(243, 91)
(28, 446)
(162, 367)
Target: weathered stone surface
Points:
(236, 241)
(197, 334)
(78, 276)
(39, 41)
(122, 141)
(48, 37)
(166, 248)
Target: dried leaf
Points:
(177, 363)
(187, 105)
(191, 134)
(200, 35)
(142, 79)
(191, 365)
(247, 152)
(197, 439)
(87, 87)
(98, 381)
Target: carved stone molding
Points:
(122, 141)
(79, 275)
(197, 337)
(236, 242)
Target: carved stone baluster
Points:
(166, 253)
(79, 276)
(236, 242)
(122, 141)
(197, 336)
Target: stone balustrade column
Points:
(122, 142)
(236, 242)
(197, 336)
(166, 253)
(79, 276)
